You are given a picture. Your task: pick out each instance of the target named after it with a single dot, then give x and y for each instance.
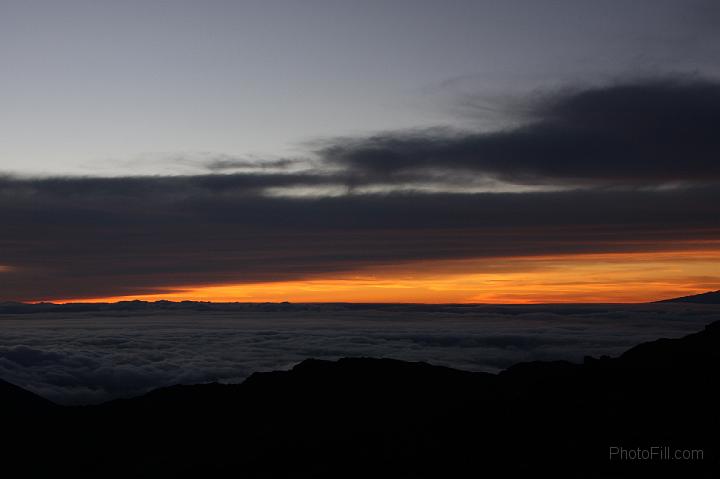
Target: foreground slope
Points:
(385, 418)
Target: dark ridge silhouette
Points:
(162, 306)
(18, 401)
(363, 417)
(711, 297)
(138, 306)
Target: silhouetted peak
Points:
(711, 297)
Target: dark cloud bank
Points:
(630, 167)
(73, 357)
(643, 133)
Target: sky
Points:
(381, 151)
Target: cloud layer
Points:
(91, 357)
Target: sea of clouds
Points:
(90, 357)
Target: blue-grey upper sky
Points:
(99, 87)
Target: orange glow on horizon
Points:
(592, 278)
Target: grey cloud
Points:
(86, 237)
(646, 132)
(225, 163)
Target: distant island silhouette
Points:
(15, 307)
(365, 417)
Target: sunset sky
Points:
(378, 151)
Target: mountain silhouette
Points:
(365, 417)
(18, 401)
(711, 297)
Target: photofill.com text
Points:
(655, 453)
